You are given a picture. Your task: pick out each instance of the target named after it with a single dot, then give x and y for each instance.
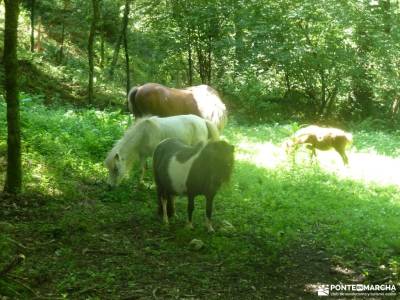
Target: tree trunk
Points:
(209, 59)
(64, 17)
(102, 55)
(33, 25)
(190, 58)
(116, 51)
(92, 34)
(102, 37)
(238, 62)
(38, 45)
(125, 29)
(394, 107)
(61, 53)
(14, 173)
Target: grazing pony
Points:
(321, 138)
(140, 140)
(156, 99)
(183, 170)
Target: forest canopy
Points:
(274, 59)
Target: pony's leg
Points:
(159, 202)
(293, 152)
(209, 206)
(173, 210)
(190, 209)
(313, 154)
(164, 203)
(143, 166)
(171, 206)
(342, 153)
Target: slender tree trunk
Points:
(209, 59)
(102, 37)
(92, 34)
(394, 107)
(14, 172)
(102, 55)
(38, 44)
(64, 17)
(190, 59)
(61, 53)
(287, 81)
(238, 62)
(125, 30)
(116, 52)
(33, 25)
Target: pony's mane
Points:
(132, 137)
(210, 104)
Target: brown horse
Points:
(156, 99)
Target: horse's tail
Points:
(349, 138)
(213, 133)
(132, 102)
(222, 120)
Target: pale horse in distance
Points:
(141, 139)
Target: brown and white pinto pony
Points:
(156, 99)
(321, 138)
(180, 169)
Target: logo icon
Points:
(323, 290)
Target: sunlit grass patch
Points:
(365, 164)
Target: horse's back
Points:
(188, 128)
(162, 101)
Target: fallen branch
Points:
(27, 287)
(16, 261)
(155, 293)
(19, 244)
(87, 290)
(89, 251)
(381, 280)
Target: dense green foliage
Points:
(279, 226)
(274, 59)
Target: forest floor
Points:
(281, 228)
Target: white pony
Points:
(140, 140)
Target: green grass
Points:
(292, 224)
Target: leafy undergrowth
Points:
(280, 228)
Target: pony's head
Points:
(220, 155)
(133, 146)
(288, 144)
(116, 166)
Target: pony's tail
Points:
(222, 120)
(213, 133)
(132, 102)
(349, 138)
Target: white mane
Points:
(210, 104)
